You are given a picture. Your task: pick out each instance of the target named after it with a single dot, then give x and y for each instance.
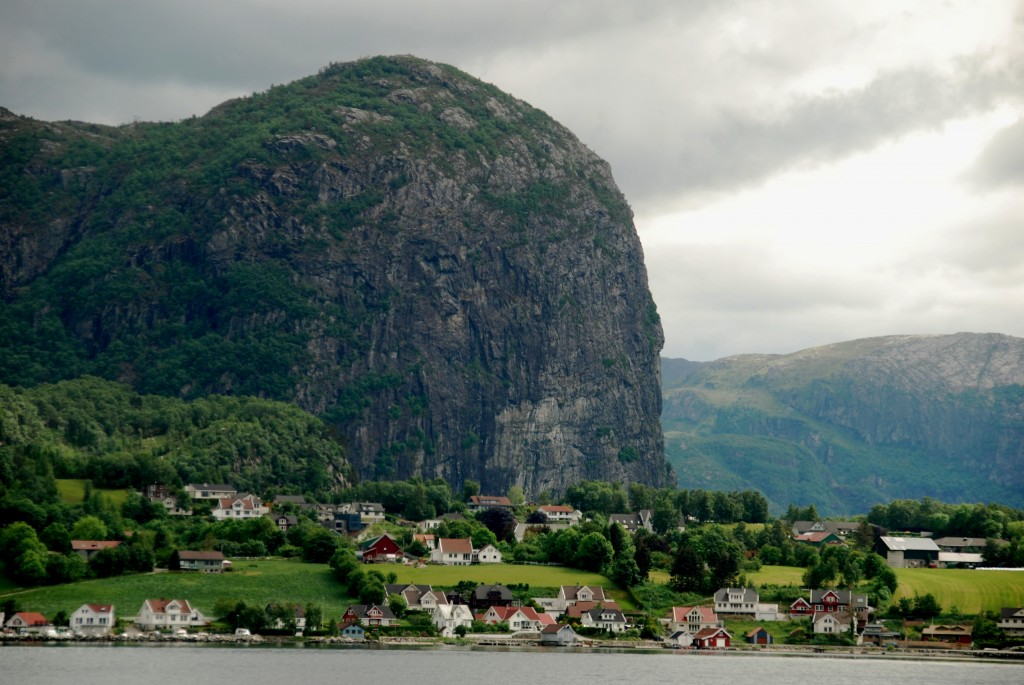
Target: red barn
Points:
(381, 550)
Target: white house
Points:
(209, 491)
(831, 622)
(518, 618)
(692, 619)
(560, 513)
(488, 554)
(453, 552)
(736, 600)
(157, 614)
(28, 622)
(448, 617)
(234, 508)
(558, 634)
(92, 619)
(568, 595)
(605, 618)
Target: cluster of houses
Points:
(899, 551)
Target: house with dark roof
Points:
(832, 622)
(950, 634)
(370, 615)
(907, 552)
(635, 521)
(559, 634)
(486, 596)
(1011, 621)
(604, 617)
(417, 597)
(210, 561)
(736, 600)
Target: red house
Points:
(955, 634)
(712, 638)
(382, 549)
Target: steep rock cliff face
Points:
(438, 269)
(852, 424)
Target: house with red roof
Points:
(381, 549)
(693, 619)
(712, 638)
(160, 614)
(87, 549)
(579, 608)
(242, 506)
(481, 502)
(518, 618)
(28, 623)
(92, 619)
(453, 552)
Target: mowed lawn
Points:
(539, 577)
(261, 582)
(254, 582)
(72, 491)
(967, 590)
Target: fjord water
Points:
(128, 664)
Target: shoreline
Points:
(489, 644)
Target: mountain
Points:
(437, 269)
(857, 423)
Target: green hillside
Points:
(854, 424)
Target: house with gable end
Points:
(92, 619)
(453, 552)
(157, 614)
(692, 619)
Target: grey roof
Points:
(962, 542)
(482, 591)
(844, 596)
(749, 594)
(909, 544)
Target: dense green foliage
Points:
(116, 438)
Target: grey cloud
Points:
(1001, 163)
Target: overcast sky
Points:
(801, 172)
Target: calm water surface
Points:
(192, 665)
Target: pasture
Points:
(72, 491)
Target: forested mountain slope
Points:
(849, 425)
(435, 268)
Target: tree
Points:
(470, 488)
(618, 537)
(537, 517)
(320, 545)
(314, 616)
(625, 572)
(89, 528)
(500, 521)
(398, 605)
(688, 570)
(516, 496)
(926, 606)
(371, 590)
(665, 517)
(594, 552)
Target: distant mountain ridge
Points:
(444, 274)
(852, 424)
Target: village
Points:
(578, 615)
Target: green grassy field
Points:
(72, 491)
(969, 591)
(255, 582)
(539, 577)
(265, 581)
